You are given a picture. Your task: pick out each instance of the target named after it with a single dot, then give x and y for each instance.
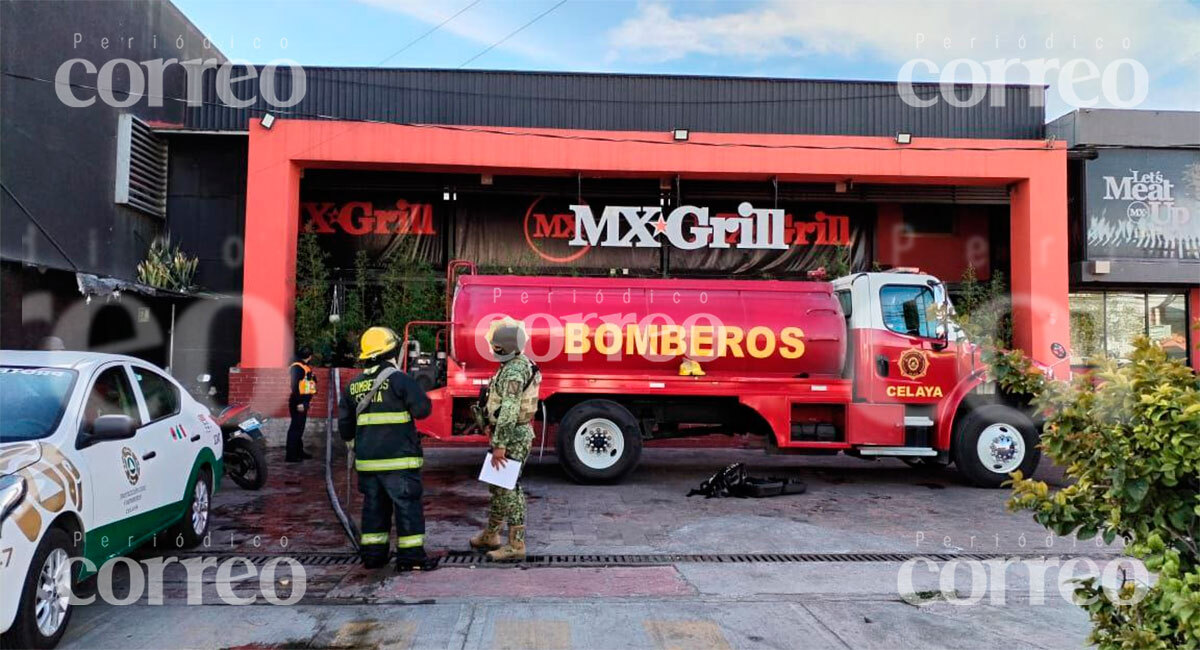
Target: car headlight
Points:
(12, 492)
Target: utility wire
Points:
(427, 33)
(513, 33)
(475, 93)
(37, 224)
(1041, 144)
(283, 112)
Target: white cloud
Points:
(1163, 35)
(891, 29)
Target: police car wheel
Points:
(193, 524)
(992, 442)
(599, 441)
(45, 606)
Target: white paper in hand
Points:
(505, 477)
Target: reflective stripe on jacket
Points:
(400, 417)
(388, 464)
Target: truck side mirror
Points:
(912, 317)
(943, 313)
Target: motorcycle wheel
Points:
(246, 463)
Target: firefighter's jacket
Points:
(385, 438)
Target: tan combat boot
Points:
(489, 538)
(514, 550)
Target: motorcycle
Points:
(245, 455)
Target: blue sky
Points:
(1105, 46)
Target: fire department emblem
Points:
(913, 364)
(133, 469)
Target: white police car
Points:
(98, 453)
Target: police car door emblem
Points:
(129, 461)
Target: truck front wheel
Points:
(992, 442)
(599, 441)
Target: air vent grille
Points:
(141, 181)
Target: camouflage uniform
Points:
(516, 437)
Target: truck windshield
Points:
(32, 401)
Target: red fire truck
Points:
(868, 365)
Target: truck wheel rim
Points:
(1001, 448)
(599, 443)
(53, 592)
(200, 507)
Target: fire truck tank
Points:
(597, 327)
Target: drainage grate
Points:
(460, 558)
(259, 559)
(659, 559)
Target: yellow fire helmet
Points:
(377, 341)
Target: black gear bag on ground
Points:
(733, 481)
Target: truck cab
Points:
(904, 350)
(902, 346)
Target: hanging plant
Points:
(166, 267)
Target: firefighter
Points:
(511, 403)
(303, 387)
(375, 416)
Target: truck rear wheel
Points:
(992, 442)
(599, 441)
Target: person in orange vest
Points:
(303, 386)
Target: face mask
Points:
(502, 356)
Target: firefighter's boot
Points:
(489, 538)
(406, 564)
(514, 550)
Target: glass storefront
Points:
(1104, 323)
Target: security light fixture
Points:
(680, 135)
(267, 121)
(903, 138)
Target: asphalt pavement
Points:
(635, 565)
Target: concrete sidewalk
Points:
(688, 606)
(694, 625)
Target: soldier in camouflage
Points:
(511, 404)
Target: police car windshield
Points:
(32, 401)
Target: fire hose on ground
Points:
(347, 523)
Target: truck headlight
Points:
(12, 492)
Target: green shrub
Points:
(411, 290)
(982, 309)
(312, 327)
(355, 316)
(1129, 440)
